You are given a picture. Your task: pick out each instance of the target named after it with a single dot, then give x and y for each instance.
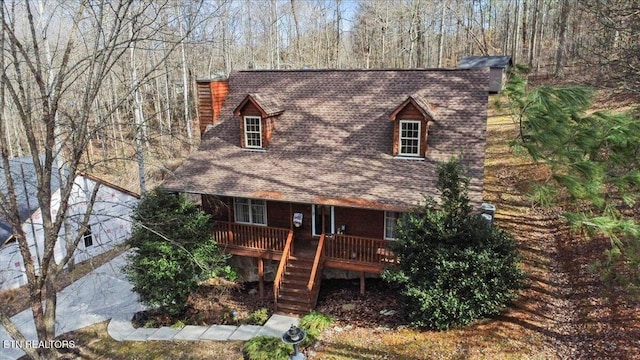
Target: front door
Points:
(323, 216)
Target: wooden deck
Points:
(358, 253)
(251, 240)
(345, 252)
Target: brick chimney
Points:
(211, 96)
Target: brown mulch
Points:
(214, 303)
(366, 308)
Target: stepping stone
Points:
(140, 334)
(119, 329)
(164, 333)
(218, 332)
(245, 332)
(348, 307)
(277, 325)
(190, 332)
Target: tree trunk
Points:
(441, 35)
(138, 116)
(185, 87)
(560, 53)
(297, 28)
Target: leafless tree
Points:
(54, 90)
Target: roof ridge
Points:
(355, 70)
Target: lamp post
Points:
(295, 336)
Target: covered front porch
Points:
(301, 262)
(339, 251)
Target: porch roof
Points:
(332, 144)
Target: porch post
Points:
(322, 216)
(361, 282)
(291, 227)
(261, 277)
(229, 229)
(290, 216)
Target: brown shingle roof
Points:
(333, 142)
(268, 105)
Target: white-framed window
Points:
(253, 132)
(250, 211)
(390, 223)
(409, 142)
(317, 220)
(87, 238)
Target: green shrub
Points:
(178, 325)
(173, 250)
(150, 324)
(453, 268)
(259, 317)
(266, 348)
(313, 323)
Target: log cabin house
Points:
(310, 169)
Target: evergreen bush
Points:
(173, 249)
(454, 268)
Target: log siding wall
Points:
(358, 222)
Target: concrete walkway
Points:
(122, 330)
(106, 294)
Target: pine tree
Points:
(594, 158)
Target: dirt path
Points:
(575, 313)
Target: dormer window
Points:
(409, 138)
(253, 132)
(411, 126)
(257, 114)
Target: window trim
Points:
(88, 235)
(397, 216)
(246, 132)
(313, 219)
(250, 203)
(400, 138)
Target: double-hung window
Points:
(409, 138)
(250, 211)
(390, 223)
(253, 132)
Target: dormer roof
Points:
(267, 105)
(420, 103)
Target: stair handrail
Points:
(316, 264)
(286, 253)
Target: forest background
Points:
(146, 101)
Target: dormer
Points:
(257, 114)
(411, 126)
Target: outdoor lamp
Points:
(295, 336)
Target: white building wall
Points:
(110, 224)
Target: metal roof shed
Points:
(497, 65)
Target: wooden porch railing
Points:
(286, 253)
(250, 236)
(359, 249)
(316, 272)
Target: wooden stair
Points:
(294, 296)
